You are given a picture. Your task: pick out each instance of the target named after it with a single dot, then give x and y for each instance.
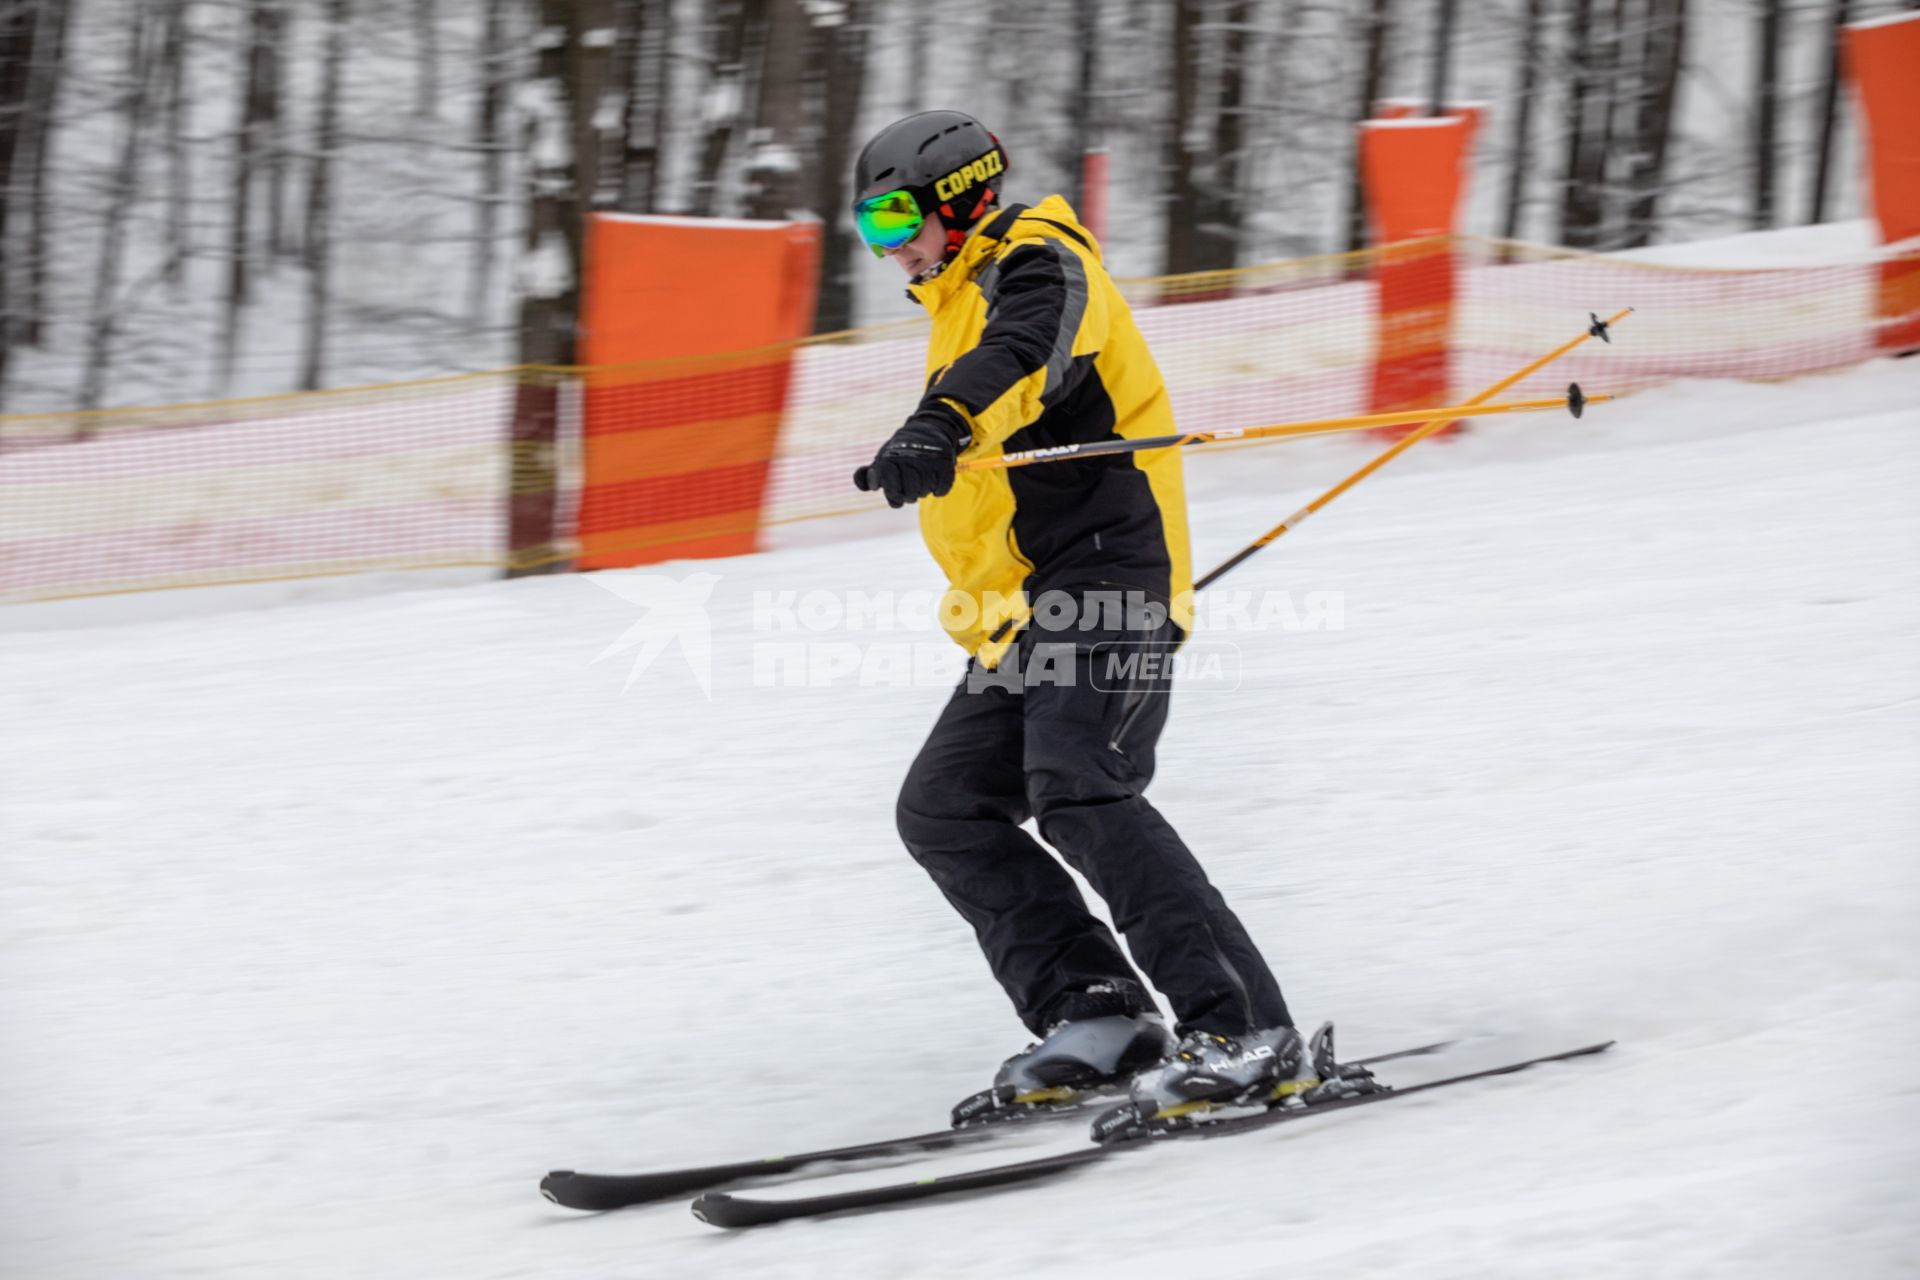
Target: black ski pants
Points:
(1037, 744)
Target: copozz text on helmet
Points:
(976, 170)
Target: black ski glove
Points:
(917, 460)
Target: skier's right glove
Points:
(917, 461)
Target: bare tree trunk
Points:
(488, 140)
(1377, 33)
(50, 69)
(1442, 61)
(1003, 54)
(773, 161)
(1604, 115)
(103, 316)
(1205, 149)
(629, 31)
(1208, 144)
(1576, 219)
(1085, 106)
(274, 128)
(173, 91)
(1181, 182)
(319, 230)
(1666, 54)
(559, 107)
(1766, 114)
(1634, 81)
(549, 292)
(732, 20)
(920, 30)
(1225, 213)
(249, 139)
(844, 65)
(1520, 140)
(646, 114)
(1596, 147)
(550, 278)
(1829, 111)
(426, 38)
(20, 29)
(590, 76)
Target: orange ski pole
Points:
(1574, 401)
(1598, 329)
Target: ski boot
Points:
(1075, 1060)
(1207, 1072)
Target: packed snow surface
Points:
(326, 929)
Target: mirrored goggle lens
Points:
(888, 221)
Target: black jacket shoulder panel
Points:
(1036, 297)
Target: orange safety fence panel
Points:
(1883, 58)
(1412, 170)
(687, 326)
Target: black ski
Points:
(601, 1191)
(723, 1210)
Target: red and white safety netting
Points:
(418, 475)
(394, 477)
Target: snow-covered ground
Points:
(326, 929)
(1824, 245)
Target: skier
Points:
(1057, 573)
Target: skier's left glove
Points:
(917, 461)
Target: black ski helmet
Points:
(946, 159)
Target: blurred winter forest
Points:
(212, 198)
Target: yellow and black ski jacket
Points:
(1034, 347)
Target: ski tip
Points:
(555, 1187)
(712, 1209)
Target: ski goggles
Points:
(888, 221)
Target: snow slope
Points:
(325, 930)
